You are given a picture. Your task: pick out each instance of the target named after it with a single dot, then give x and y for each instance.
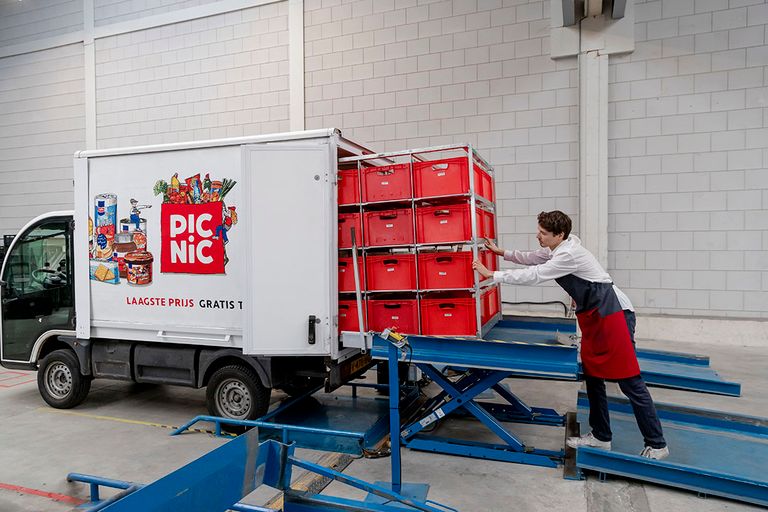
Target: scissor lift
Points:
(529, 348)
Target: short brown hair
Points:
(555, 222)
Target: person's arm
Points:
(536, 257)
(558, 266)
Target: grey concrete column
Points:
(593, 153)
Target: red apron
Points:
(606, 348)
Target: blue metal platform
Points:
(331, 422)
(217, 481)
(515, 347)
(711, 452)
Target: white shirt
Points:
(569, 257)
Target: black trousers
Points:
(639, 398)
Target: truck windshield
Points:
(37, 292)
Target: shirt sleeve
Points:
(559, 265)
(536, 257)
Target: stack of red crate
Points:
(412, 218)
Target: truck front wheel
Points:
(60, 382)
(235, 392)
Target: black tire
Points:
(300, 385)
(236, 392)
(60, 382)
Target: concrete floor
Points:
(121, 431)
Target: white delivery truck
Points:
(197, 264)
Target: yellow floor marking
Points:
(124, 420)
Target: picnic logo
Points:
(194, 221)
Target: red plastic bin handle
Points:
(390, 262)
(444, 259)
(388, 216)
(342, 263)
(442, 213)
(392, 306)
(439, 167)
(343, 306)
(447, 305)
(385, 172)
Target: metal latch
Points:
(311, 336)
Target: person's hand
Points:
(481, 269)
(493, 247)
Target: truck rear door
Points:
(290, 293)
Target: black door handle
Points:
(311, 334)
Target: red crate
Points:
(347, 221)
(391, 272)
(490, 260)
(387, 183)
(449, 176)
(448, 223)
(402, 315)
(440, 270)
(349, 186)
(491, 303)
(488, 187)
(390, 227)
(448, 316)
(348, 320)
(347, 274)
(488, 224)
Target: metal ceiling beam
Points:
(618, 9)
(569, 12)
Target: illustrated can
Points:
(139, 267)
(140, 239)
(127, 225)
(123, 245)
(105, 224)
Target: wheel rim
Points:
(234, 399)
(58, 380)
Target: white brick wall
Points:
(684, 199)
(688, 125)
(115, 11)
(439, 72)
(42, 124)
(220, 76)
(21, 22)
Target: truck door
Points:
(289, 290)
(37, 288)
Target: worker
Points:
(607, 351)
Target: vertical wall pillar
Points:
(593, 153)
(89, 70)
(296, 64)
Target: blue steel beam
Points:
(694, 416)
(688, 377)
(676, 475)
(520, 359)
(673, 357)
(711, 452)
(476, 450)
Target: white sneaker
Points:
(655, 453)
(588, 440)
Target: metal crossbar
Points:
(459, 396)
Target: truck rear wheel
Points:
(235, 392)
(60, 382)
